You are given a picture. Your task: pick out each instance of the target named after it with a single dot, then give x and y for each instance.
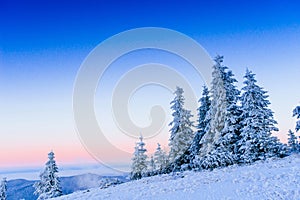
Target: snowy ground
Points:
(272, 179)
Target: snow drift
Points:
(274, 178)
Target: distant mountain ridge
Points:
(23, 189)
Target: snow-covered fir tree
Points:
(49, 184)
(181, 131)
(296, 113)
(3, 189)
(217, 110)
(152, 166)
(231, 130)
(256, 142)
(160, 159)
(139, 161)
(203, 121)
(293, 143)
(218, 142)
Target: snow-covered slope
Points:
(271, 179)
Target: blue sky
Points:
(42, 46)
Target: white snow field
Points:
(270, 179)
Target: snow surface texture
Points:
(271, 179)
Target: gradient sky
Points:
(42, 46)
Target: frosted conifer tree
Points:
(181, 131)
(139, 161)
(49, 184)
(217, 112)
(296, 112)
(177, 107)
(293, 143)
(203, 121)
(231, 130)
(152, 166)
(160, 159)
(3, 189)
(219, 142)
(256, 142)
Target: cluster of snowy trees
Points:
(233, 127)
(141, 166)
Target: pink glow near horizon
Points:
(72, 154)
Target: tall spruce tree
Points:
(256, 142)
(231, 130)
(217, 112)
(219, 142)
(181, 131)
(203, 121)
(3, 189)
(49, 184)
(139, 161)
